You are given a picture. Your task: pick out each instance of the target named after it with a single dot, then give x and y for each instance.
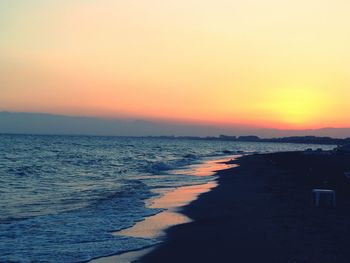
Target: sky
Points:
(271, 64)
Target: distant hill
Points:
(291, 139)
(41, 123)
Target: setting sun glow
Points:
(296, 107)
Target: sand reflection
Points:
(154, 226)
(208, 168)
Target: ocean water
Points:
(61, 197)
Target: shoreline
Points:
(172, 203)
(156, 225)
(261, 211)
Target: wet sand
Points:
(154, 226)
(262, 212)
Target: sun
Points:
(295, 107)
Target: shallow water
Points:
(62, 197)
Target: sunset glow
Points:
(260, 63)
(297, 106)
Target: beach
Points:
(262, 211)
(97, 197)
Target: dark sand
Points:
(262, 212)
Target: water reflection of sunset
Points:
(153, 226)
(208, 168)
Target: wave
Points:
(187, 159)
(163, 166)
(67, 237)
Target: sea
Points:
(62, 197)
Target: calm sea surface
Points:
(61, 197)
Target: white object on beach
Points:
(330, 195)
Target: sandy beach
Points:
(262, 211)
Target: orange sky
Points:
(272, 63)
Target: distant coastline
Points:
(54, 124)
(253, 138)
(249, 138)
